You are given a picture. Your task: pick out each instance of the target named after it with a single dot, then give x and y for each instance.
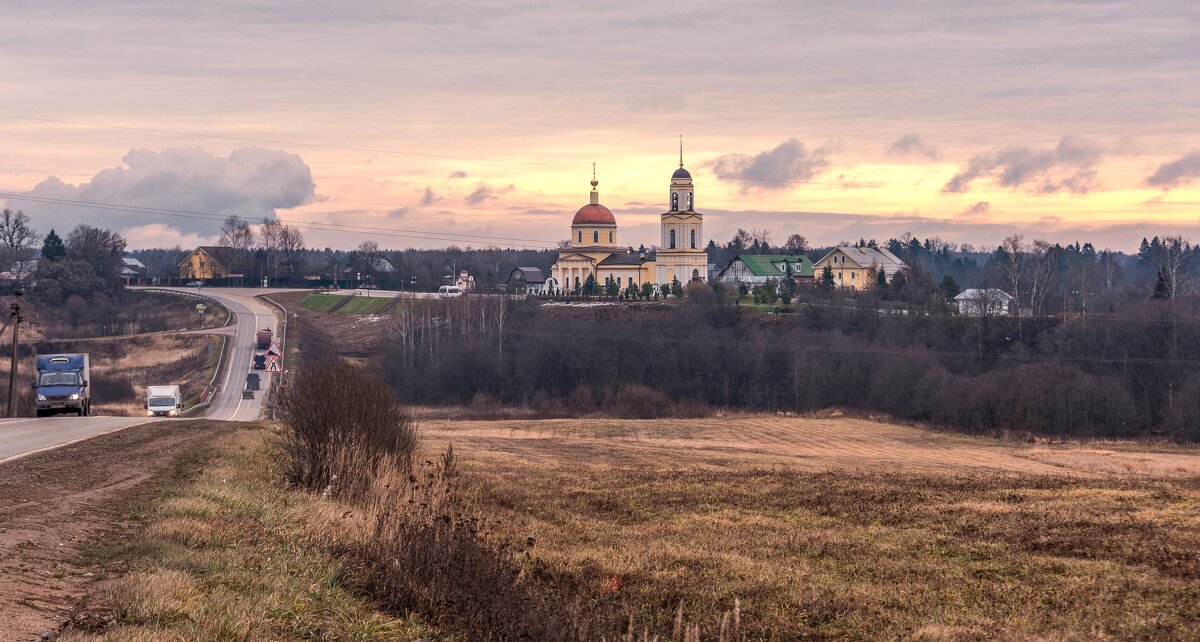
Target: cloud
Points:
(912, 144)
(1181, 171)
(251, 182)
(1068, 167)
(981, 208)
(429, 197)
(398, 213)
(484, 192)
(772, 170)
(155, 235)
(457, 175)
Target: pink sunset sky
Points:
(475, 123)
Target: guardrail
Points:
(277, 382)
(212, 384)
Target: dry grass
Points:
(227, 556)
(849, 529)
(801, 443)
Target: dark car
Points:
(252, 381)
(260, 361)
(248, 393)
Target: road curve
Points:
(26, 436)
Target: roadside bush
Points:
(342, 426)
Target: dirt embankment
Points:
(53, 503)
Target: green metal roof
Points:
(769, 265)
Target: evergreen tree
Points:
(676, 288)
(881, 279)
(827, 277)
(1162, 289)
(949, 287)
(53, 248)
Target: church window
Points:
(595, 236)
(689, 202)
(610, 236)
(671, 236)
(693, 233)
(581, 236)
(674, 201)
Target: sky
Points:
(425, 124)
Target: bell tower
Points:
(681, 255)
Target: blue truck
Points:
(63, 384)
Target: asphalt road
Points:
(22, 437)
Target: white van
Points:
(449, 291)
(163, 401)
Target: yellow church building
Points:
(594, 247)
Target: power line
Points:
(281, 142)
(324, 227)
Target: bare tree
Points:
(18, 243)
(237, 235)
(269, 235)
(1175, 260)
(501, 318)
(291, 246)
(1042, 266)
(1011, 267)
(366, 259)
(795, 244)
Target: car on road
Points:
(252, 381)
(194, 284)
(260, 361)
(248, 393)
(449, 291)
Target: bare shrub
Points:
(342, 426)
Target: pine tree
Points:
(1162, 289)
(949, 287)
(827, 277)
(53, 248)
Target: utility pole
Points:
(15, 317)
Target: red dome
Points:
(594, 214)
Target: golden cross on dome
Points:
(594, 181)
(681, 150)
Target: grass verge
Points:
(227, 555)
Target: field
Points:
(846, 528)
(348, 304)
(814, 527)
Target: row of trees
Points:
(1125, 375)
(273, 251)
(86, 263)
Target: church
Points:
(594, 247)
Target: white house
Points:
(987, 302)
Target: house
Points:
(987, 302)
(384, 266)
(20, 271)
(528, 280)
(132, 269)
(857, 267)
(753, 269)
(207, 262)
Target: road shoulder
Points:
(54, 503)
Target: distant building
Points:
(858, 268)
(594, 248)
(132, 270)
(527, 280)
(753, 269)
(988, 302)
(207, 262)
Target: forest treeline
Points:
(1131, 372)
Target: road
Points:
(22, 437)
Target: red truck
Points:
(264, 338)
